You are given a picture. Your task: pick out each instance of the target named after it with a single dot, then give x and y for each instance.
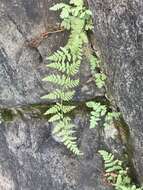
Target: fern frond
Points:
(59, 55)
(100, 79)
(59, 108)
(66, 67)
(53, 95)
(67, 96)
(67, 62)
(63, 66)
(71, 83)
(57, 79)
(67, 109)
(86, 15)
(93, 63)
(94, 121)
(107, 157)
(74, 68)
(113, 169)
(120, 180)
(89, 25)
(54, 109)
(56, 117)
(65, 13)
(96, 106)
(66, 23)
(62, 81)
(111, 165)
(65, 130)
(97, 113)
(75, 45)
(112, 115)
(59, 94)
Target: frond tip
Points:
(65, 130)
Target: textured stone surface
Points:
(119, 35)
(23, 67)
(31, 159)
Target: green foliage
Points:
(65, 96)
(65, 130)
(66, 61)
(98, 111)
(115, 172)
(63, 81)
(99, 77)
(94, 63)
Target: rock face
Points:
(30, 157)
(23, 66)
(119, 35)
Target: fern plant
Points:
(77, 19)
(95, 64)
(67, 60)
(115, 172)
(98, 112)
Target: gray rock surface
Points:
(22, 67)
(30, 158)
(119, 35)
